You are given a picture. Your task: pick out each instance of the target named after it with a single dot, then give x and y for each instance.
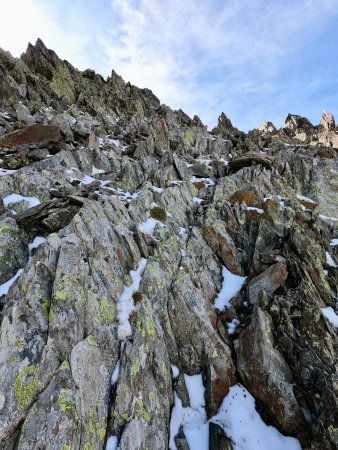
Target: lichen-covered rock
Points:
(129, 214)
(13, 250)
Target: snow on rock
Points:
(125, 304)
(194, 384)
(4, 172)
(197, 200)
(38, 240)
(330, 261)
(334, 219)
(237, 416)
(4, 288)
(193, 418)
(148, 227)
(157, 189)
(305, 199)
(231, 285)
(206, 181)
(112, 442)
(96, 171)
(231, 326)
(174, 371)
(116, 372)
(242, 423)
(330, 315)
(252, 208)
(17, 198)
(334, 242)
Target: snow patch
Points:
(4, 172)
(334, 242)
(231, 326)
(125, 303)
(330, 315)
(305, 199)
(115, 375)
(4, 288)
(38, 240)
(206, 181)
(330, 261)
(231, 285)
(197, 200)
(148, 227)
(174, 371)
(328, 218)
(157, 189)
(96, 171)
(252, 208)
(17, 198)
(242, 423)
(112, 442)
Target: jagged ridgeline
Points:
(161, 286)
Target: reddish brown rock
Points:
(266, 374)
(31, 135)
(270, 280)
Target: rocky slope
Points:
(122, 225)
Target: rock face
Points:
(117, 219)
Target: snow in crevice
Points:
(231, 285)
(38, 240)
(237, 416)
(174, 372)
(116, 373)
(125, 303)
(112, 443)
(231, 326)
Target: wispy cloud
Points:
(250, 58)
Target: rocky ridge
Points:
(121, 223)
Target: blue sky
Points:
(255, 60)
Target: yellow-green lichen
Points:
(143, 413)
(64, 366)
(106, 311)
(66, 406)
(91, 341)
(150, 327)
(62, 84)
(25, 386)
(45, 305)
(135, 367)
(61, 295)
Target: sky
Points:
(254, 60)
